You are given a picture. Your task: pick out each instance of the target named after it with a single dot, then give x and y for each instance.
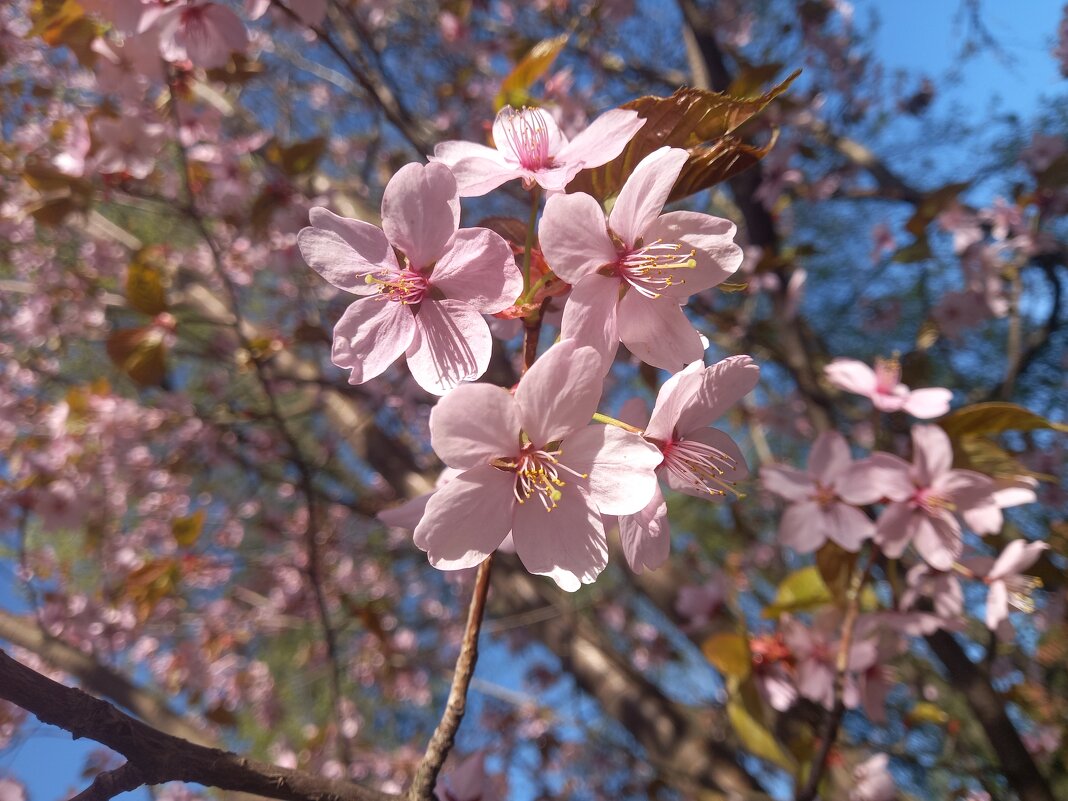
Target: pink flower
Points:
(925, 498)
(1007, 583)
(632, 272)
(699, 604)
(815, 652)
(696, 460)
(531, 465)
(203, 33)
(126, 145)
(530, 145)
(884, 388)
(872, 780)
(823, 500)
(467, 782)
(942, 588)
(430, 306)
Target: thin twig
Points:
(445, 734)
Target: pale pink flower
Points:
(925, 498)
(529, 145)
(632, 272)
(697, 460)
(1007, 584)
(699, 604)
(467, 782)
(126, 145)
(71, 161)
(884, 388)
(872, 780)
(203, 33)
(823, 499)
(941, 588)
(957, 311)
(429, 307)
(815, 652)
(531, 465)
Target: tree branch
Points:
(110, 783)
(160, 757)
(445, 734)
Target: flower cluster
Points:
(529, 464)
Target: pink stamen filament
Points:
(1020, 589)
(528, 138)
(407, 287)
(931, 503)
(701, 466)
(649, 268)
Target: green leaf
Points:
(835, 565)
(144, 283)
(703, 122)
(755, 737)
(801, 591)
(994, 418)
(297, 158)
(515, 87)
(914, 251)
(186, 530)
(729, 653)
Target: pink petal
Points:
(1016, 558)
(646, 536)
(829, 458)
(452, 152)
(967, 489)
(369, 337)
(228, 26)
(928, 403)
(452, 344)
(560, 392)
(788, 483)
(603, 139)
(591, 314)
(852, 376)
(573, 236)
(567, 544)
(711, 239)
(801, 527)
(406, 515)
(894, 528)
(984, 518)
(658, 332)
(620, 466)
(722, 385)
(997, 604)
(478, 175)
(674, 396)
(847, 526)
(421, 211)
(448, 532)
(345, 252)
(473, 424)
(881, 475)
(932, 453)
(479, 269)
(646, 191)
(937, 538)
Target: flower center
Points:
(1020, 589)
(538, 472)
(887, 376)
(824, 496)
(931, 502)
(651, 268)
(700, 465)
(528, 137)
(407, 286)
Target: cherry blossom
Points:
(925, 498)
(632, 272)
(531, 465)
(873, 781)
(884, 388)
(429, 306)
(823, 500)
(529, 145)
(1007, 583)
(204, 33)
(697, 460)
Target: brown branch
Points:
(834, 720)
(110, 783)
(161, 757)
(99, 679)
(441, 741)
(988, 706)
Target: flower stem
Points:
(441, 741)
(604, 418)
(531, 227)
